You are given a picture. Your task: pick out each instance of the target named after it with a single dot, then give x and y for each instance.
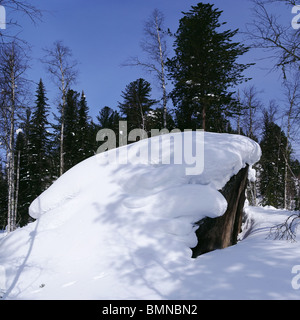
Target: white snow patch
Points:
(112, 231)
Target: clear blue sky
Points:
(102, 34)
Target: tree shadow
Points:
(31, 241)
(158, 268)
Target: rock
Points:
(222, 232)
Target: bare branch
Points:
(33, 13)
(64, 72)
(286, 230)
(267, 32)
(60, 66)
(155, 45)
(15, 6)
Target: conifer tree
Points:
(108, 119)
(25, 187)
(159, 119)
(273, 145)
(136, 103)
(71, 132)
(85, 143)
(13, 67)
(204, 70)
(64, 73)
(39, 139)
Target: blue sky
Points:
(102, 34)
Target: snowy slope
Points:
(123, 231)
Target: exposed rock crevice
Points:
(222, 232)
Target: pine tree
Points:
(204, 69)
(79, 133)
(108, 119)
(39, 138)
(137, 103)
(85, 144)
(25, 187)
(64, 73)
(159, 119)
(273, 145)
(71, 132)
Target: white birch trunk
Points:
(17, 187)
(62, 129)
(163, 78)
(11, 162)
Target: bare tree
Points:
(269, 33)
(63, 71)
(251, 105)
(248, 121)
(13, 7)
(154, 45)
(13, 65)
(292, 119)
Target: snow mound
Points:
(109, 230)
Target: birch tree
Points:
(292, 120)
(154, 44)
(251, 107)
(12, 71)
(63, 71)
(9, 25)
(136, 103)
(278, 39)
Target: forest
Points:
(209, 91)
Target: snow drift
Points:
(113, 231)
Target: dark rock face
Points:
(222, 232)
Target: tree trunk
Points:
(62, 129)
(10, 153)
(163, 79)
(222, 232)
(17, 186)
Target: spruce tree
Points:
(108, 119)
(204, 70)
(272, 175)
(39, 138)
(159, 119)
(85, 143)
(71, 132)
(137, 103)
(26, 187)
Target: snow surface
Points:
(124, 231)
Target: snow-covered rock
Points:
(124, 231)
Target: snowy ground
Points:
(111, 231)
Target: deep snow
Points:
(113, 231)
